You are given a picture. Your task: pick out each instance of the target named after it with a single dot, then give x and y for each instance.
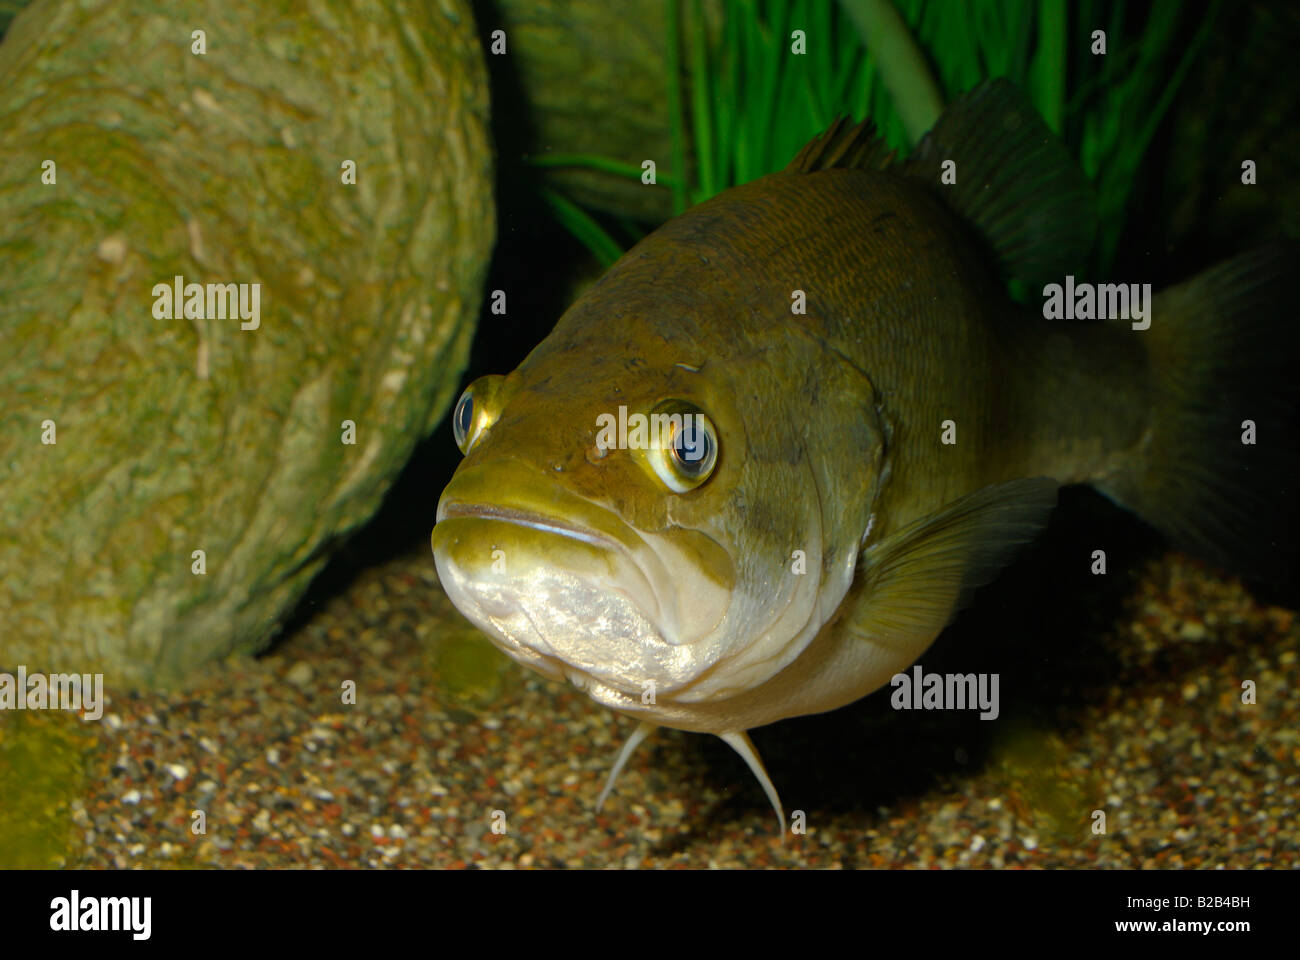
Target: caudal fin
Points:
(1218, 474)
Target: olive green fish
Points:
(757, 467)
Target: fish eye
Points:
(686, 456)
(692, 448)
(475, 412)
(463, 419)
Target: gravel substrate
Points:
(1142, 720)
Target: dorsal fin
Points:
(845, 145)
(1016, 184)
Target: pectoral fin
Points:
(915, 580)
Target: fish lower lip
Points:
(525, 519)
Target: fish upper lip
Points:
(525, 518)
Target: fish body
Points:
(882, 428)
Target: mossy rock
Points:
(188, 434)
(43, 759)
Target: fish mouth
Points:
(524, 518)
(565, 585)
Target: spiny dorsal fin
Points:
(1015, 182)
(845, 145)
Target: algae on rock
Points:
(132, 158)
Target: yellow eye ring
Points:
(684, 446)
(475, 411)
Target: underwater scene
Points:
(496, 434)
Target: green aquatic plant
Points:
(758, 91)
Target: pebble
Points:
(300, 674)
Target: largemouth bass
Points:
(757, 467)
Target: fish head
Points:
(663, 533)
